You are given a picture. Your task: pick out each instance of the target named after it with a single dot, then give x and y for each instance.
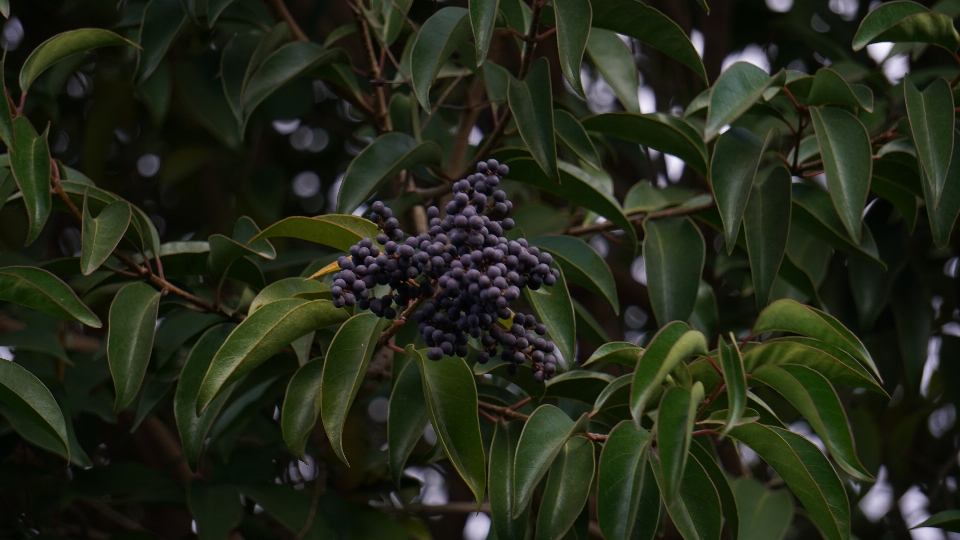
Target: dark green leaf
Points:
(234, 63)
(575, 138)
(483, 16)
(673, 344)
(643, 197)
(677, 412)
(573, 18)
(130, 331)
(386, 156)
(914, 317)
(736, 157)
(393, 22)
(337, 231)
(554, 308)
(162, 21)
(36, 339)
(948, 520)
(659, 131)
(674, 252)
(901, 22)
(621, 480)
(531, 101)
(618, 352)
(616, 394)
(814, 212)
(28, 397)
(807, 473)
(944, 215)
(63, 45)
(30, 163)
(731, 362)
(544, 435)
(582, 265)
(829, 88)
(614, 60)
(224, 251)
(294, 287)
(578, 385)
(704, 317)
(736, 90)
(407, 417)
(216, 509)
(766, 223)
(102, 234)
(301, 406)
(38, 289)
(765, 514)
(567, 489)
(439, 36)
(503, 449)
(203, 96)
(696, 512)
(702, 451)
(832, 362)
(292, 509)
(932, 130)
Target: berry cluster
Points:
(468, 273)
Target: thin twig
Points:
(439, 102)
(502, 411)
(639, 217)
(380, 91)
(284, 14)
(401, 320)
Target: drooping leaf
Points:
(736, 157)
(543, 437)
(909, 22)
(696, 511)
(439, 36)
(674, 343)
(932, 131)
(337, 231)
(451, 395)
(765, 514)
(102, 234)
(63, 45)
(674, 252)
(574, 137)
(845, 149)
(614, 60)
(386, 156)
(407, 417)
(30, 164)
(735, 91)
(677, 412)
(260, 336)
(573, 18)
(567, 489)
(619, 352)
(503, 450)
(38, 289)
(807, 473)
(767, 226)
(216, 509)
(621, 480)
(531, 101)
(483, 16)
(130, 332)
(23, 392)
(344, 369)
(162, 21)
(554, 308)
(301, 406)
(659, 131)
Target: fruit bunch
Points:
(464, 269)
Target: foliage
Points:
(798, 270)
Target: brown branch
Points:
(639, 217)
(401, 320)
(449, 508)
(502, 411)
(383, 111)
(284, 14)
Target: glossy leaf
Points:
(673, 344)
(696, 511)
(567, 489)
(451, 395)
(407, 417)
(503, 450)
(829, 88)
(807, 473)
(217, 510)
(30, 164)
(735, 91)
(102, 234)
(619, 352)
(63, 45)
(439, 36)
(736, 157)
(767, 226)
(531, 101)
(162, 21)
(621, 480)
(573, 18)
(38, 289)
(553, 307)
(637, 20)
(614, 60)
(262, 335)
(542, 439)
(132, 324)
(290, 288)
(337, 231)
(572, 134)
(677, 412)
(23, 392)
(483, 16)
(731, 362)
(193, 429)
(674, 252)
(906, 21)
(345, 368)
(838, 366)
(386, 156)
(301, 406)
(932, 130)
(659, 131)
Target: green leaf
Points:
(807, 473)
(704, 317)
(614, 60)
(906, 22)
(931, 123)
(697, 511)
(215, 8)
(813, 396)
(673, 344)
(543, 437)
(503, 449)
(439, 36)
(293, 510)
(224, 251)
(659, 131)
(832, 362)
(202, 94)
(814, 212)
(766, 223)
(674, 252)
(619, 352)
(554, 308)
(301, 406)
(643, 197)
(621, 480)
(451, 394)
(407, 416)
(193, 429)
(294, 287)
(102, 234)
(63, 45)
(573, 18)
(829, 88)
(572, 134)
(578, 385)
(262, 335)
(216, 509)
(637, 20)
(130, 331)
(847, 161)
(791, 316)
(703, 453)
(393, 21)
(531, 101)
(5, 8)
(944, 215)
(616, 394)
(765, 514)
(677, 412)
(483, 16)
(38, 289)
(27, 396)
(345, 368)
(948, 520)
(234, 64)
(36, 339)
(386, 156)
(162, 21)
(731, 362)
(337, 231)
(587, 325)
(734, 92)
(30, 164)
(733, 169)
(567, 489)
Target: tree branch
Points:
(284, 14)
(639, 217)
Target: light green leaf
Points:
(554, 308)
(567, 489)
(102, 234)
(906, 22)
(439, 36)
(262, 335)
(503, 450)
(63, 45)
(162, 21)
(932, 124)
(621, 480)
(733, 169)
(731, 362)
(294, 287)
(677, 412)
(673, 344)
(337, 231)
(38, 289)
(619, 352)
(614, 60)
(30, 164)
(659, 131)
(735, 91)
(386, 156)
(216, 509)
(697, 511)
(543, 437)
(407, 416)
(130, 331)
(23, 392)
(766, 223)
(531, 101)
(301, 406)
(674, 252)
(574, 137)
(765, 514)
(845, 149)
(483, 16)
(573, 18)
